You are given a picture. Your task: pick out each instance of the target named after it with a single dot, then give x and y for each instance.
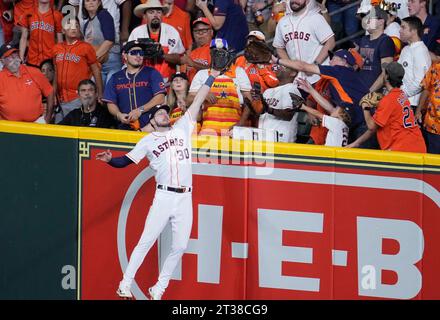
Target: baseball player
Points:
(168, 150)
(304, 35)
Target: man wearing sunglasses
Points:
(133, 91)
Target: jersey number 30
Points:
(183, 154)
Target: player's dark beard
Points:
(156, 125)
(297, 9)
(163, 125)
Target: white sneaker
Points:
(154, 294)
(124, 292)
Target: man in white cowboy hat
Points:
(152, 11)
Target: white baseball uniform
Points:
(337, 135)
(169, 154)
(279, 98)
(303, 36)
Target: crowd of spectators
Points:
(91, 68)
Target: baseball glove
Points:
(371, 99)
(257, 106)
(297, 101)
(257, 52)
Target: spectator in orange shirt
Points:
(180, 20)
(258, 73)
(21, 89)
(394, 119)
(200, 57)
(22, 9)
(74, 60)
(43, 27)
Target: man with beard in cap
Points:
(164, 34)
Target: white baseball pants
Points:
(167, 206)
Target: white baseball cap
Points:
(257, 34)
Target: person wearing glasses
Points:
(133, 91)
(200, 57)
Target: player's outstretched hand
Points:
(105, 156)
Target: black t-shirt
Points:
(99, 118)
(373, 51)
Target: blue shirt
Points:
(120, 90)
(373, 51)
(431, 30)
(346, 84)
(235, 28)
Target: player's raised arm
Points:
(201, 94)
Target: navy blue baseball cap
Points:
(344, 54)
(153, 110)
(6, 50)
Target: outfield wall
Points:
(271, 221)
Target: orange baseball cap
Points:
(202, 20)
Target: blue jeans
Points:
(432, 141)
(113, 65)
(357, 131)
(347, 18)
(2, 36)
